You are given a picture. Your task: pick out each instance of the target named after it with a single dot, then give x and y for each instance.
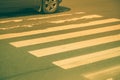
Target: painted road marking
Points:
(7, 21)
(52, 16)
(110, 79)
(64, 36)
(75, 19)
(18, 26)
(37, 18)
(59, 21)
(88, 59)
(65, 27)
(79, 13)
(73, 46)
(104, 74)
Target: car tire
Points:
(49, 6)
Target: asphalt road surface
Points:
(81, 41)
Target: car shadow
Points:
(29, 12)
(62, 9)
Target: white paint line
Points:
(52, 16)
(20, 26)
(7, 21)
(109, 72)
(79, 12)
(64, 36)
(75, 19)
(38, 18)
(74, 46)
(110, 79)
(9, 27)
(91, 16)
(57, 28)
(88, 59)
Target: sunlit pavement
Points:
(81, 41)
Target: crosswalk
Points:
(105, 74)
(63, 36)
(76, 61)
(57, 28)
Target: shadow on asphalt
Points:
(28, 12)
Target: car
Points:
(45, 6)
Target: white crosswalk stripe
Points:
(7, 21)
(75, 19)
(58, 15)
(105, 74)
(110, 79)
(88, 59)
(38, 18)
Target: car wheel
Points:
(49, 6)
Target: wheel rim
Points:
(50, 5)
